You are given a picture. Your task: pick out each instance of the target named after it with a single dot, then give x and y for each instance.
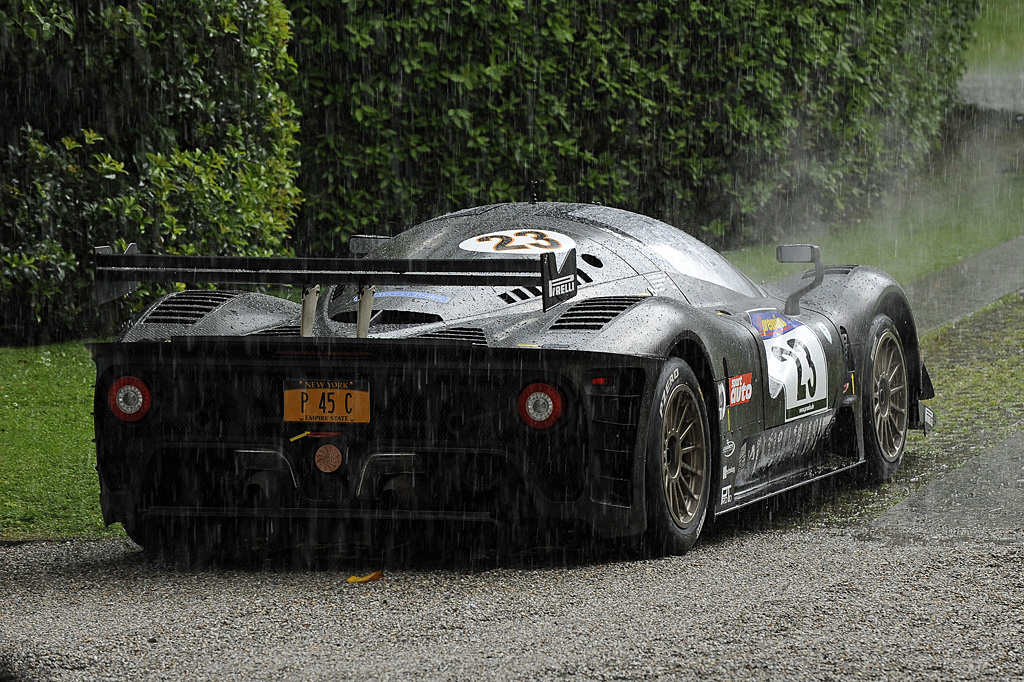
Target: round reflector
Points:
(129, 399)
(328, 458)
(540, 405)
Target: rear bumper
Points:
(177, 512)
(444, 442)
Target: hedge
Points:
(160, 123)
(164, 123)
(730, 118)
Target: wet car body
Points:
(669, 387)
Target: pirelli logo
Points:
(560, 286)
(559, 283)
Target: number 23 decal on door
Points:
(796, 363)
(509, 242)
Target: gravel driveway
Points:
(872, 602)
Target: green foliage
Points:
(721, 116)
(160, 123)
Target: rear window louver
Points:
(594, 313)
(527, 293)
(474, 336)
(388, 317)
(281, 330)
(187, 307)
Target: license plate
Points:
(327, 401)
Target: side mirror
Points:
(801, 253)
(362, 244)
(797, 253)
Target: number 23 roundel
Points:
(519, 242)
(796, 363)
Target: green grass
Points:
(48, 482)
(999, 37)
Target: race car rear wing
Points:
(119, 274)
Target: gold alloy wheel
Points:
(683, 456)
(889, 396)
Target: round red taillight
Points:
(129, 399)
(541, 405)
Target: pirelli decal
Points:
(559, 282)
(561, 286)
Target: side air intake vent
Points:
(594, 313)
(832, 270)
(187, 307)
(474, 336)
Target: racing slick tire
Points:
(886, 401)
(678, 473)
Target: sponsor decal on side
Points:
(730, 447)
(721, 401)
(796, 363)
(562, 285)
(771, 323)
(727, 494)
(741, 388)
(559, 281)
(929, 417)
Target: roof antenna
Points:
(531, 105)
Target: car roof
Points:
(611, 243)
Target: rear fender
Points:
(852, 296)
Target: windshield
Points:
(673, 249)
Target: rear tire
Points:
(678, 472)
(886, 401)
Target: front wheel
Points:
(887, 403)
(678, 471)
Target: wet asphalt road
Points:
(950, 294)
(981, 501)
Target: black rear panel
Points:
(444, 412)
